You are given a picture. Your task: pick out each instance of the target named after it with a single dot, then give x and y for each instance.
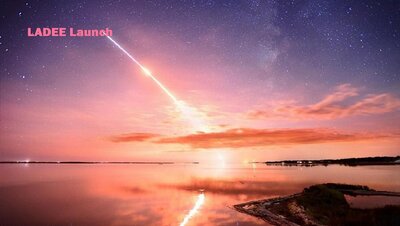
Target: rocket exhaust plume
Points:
(190, 113)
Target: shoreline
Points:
(367, 161)
(315, 205)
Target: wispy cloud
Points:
(334, 105)
(245, 137)
(133, 137)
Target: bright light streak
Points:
(190, 113)
(147, 71)
(193, 211)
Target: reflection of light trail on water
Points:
(190, 113)
(193, 211)
(254, 168)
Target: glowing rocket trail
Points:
(146, 71)
(192, 114)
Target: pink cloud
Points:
(245, 137)
(133, 137)
(335, 105)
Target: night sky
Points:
(269, 79)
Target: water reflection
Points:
(369, 202)
(161, 194)
(193, 211)
(238, 188)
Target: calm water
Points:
(160, 194)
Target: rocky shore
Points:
(322, 204)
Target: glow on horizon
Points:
(194, 210)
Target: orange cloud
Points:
(334, 106)
(133, 137)
(244, 137)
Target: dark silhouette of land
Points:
(323, 204)
(385, 160)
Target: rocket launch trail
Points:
(190, 113)
(146, 71)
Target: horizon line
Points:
(94, 162)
